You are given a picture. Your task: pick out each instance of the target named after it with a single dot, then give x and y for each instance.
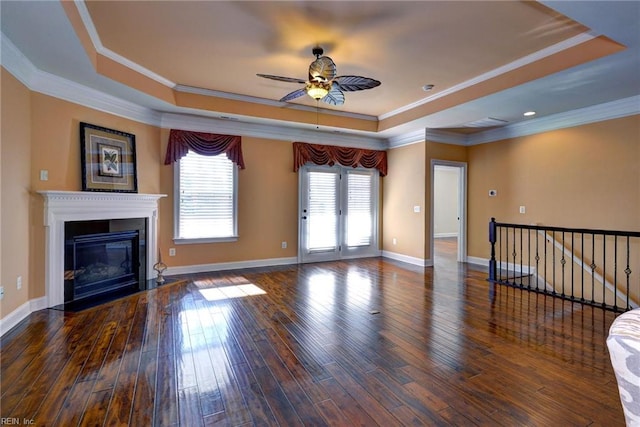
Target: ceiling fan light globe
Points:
(318, 90)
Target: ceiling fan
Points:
(323, 85)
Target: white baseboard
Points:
(478, 261)
(442, 235)
(21, 313)
(408, 259)
(524, 269)
(202, 268)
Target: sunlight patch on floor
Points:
(229, 292)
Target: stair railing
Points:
(595, 267)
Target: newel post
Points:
(492, 240)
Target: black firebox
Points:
(104, 258)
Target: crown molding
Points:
(596, 113)
(525, 60)
(258, 130)
(67, 90)
(408, 138)
(14, 61)
(445, 137)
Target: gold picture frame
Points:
(108, 159)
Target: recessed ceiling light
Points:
(427, 88)
(530, 113)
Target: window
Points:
(206, 199)
(360, 208)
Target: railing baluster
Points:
(537, 260)
(500, 258)
(627, 271)
(514, 255)
(545, 259)
(582, 266)
(529, 259)
(615, 273)
(563, 262)
(593, 267)
(604, 267)
(553, 260)
(573, 257)
(521, 273)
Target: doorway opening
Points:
(448, 211)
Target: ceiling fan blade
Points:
(293, 95)
(282, 79)
(353, 83)
(322, 69)
(334, 97)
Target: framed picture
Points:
(108, 159)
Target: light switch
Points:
(522, 209)
(44, 175)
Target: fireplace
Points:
(67, 207)
(105, 257)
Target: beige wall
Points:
(267, 209)
(56, 144)
(403, 188)
(15, 153)
(585, 176)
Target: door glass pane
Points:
(359, 209)
(322, 219)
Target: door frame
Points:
(462, 206)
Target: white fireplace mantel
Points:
(65, 206)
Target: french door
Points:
(338, 213)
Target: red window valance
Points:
(206, 144)
(346, 156)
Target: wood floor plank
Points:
(34, 395)
(121, 405)
(445, 348)
(291, 388)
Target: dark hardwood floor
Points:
(365, 342)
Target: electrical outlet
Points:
(19, 282)
(172, 251)
(1, 292)
(394, 241)
(284, 245)
(523, 209)
(416, 209)
(44, 175)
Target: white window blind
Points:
(359, 209)
(207, 197)
(322, 210)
